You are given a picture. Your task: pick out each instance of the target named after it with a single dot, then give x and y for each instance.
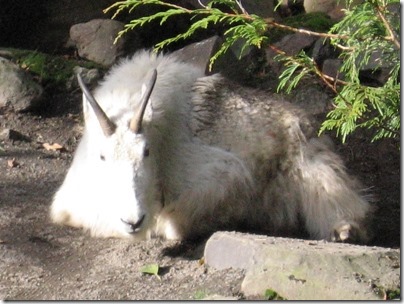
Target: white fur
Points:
(188, 186)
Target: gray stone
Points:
(228, 64)
(376, 70)
(306, 270)
(216, 297)
(264, 9)
(333, 8)
(44, 25)
(322, 50)
(11, 135)
(199, 53)
(290, 44)
(89, 76)
(331, 67)
(95, 40)
(18, 90)
(313, 98)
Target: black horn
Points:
(136, 121)
(107, 126)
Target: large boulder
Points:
(95, 40)
(18, 90)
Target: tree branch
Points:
(391, 37)
(303, 31)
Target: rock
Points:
(89, 76)
(322, 50)
(306, 270)
(228, 64)
(291, 44)
(43, 25)
(217, 297)
(375, 71)
(264, 9)
(331, 67)
(323, 6)
(313, 98)
(95, 40)
(11, 135)
(332, 8)
(199, 53)
(17, 88)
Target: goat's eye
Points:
(102, 157)
(146, 152)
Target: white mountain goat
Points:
(203, 154)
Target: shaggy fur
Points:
(219, 156)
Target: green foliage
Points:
(393, 294)
(364, 32)
(301, 64)
(200, 295)
(367, 29)
(152, 269)
(272, 295)
(251, 28)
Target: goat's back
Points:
(119, 93)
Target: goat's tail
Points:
(315, 187)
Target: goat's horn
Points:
(136, 121)
(107, 126)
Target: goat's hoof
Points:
(347, 232)
(133, 227)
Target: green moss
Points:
(272, 295)
(200, 295)
(317, 22)
(51, 70)
(393, 294)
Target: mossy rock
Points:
(52, 71)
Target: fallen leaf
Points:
(152, 269)
(53, 147)
(12, 163)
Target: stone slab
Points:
(306, 270)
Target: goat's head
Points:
(124, 168)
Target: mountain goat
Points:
(184, 155)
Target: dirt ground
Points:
(41, 261)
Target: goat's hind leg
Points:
(333, 206)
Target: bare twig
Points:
(391, 37)
(201, 4)
(241, 7)
(303, 31)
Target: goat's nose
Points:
(134, 227)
